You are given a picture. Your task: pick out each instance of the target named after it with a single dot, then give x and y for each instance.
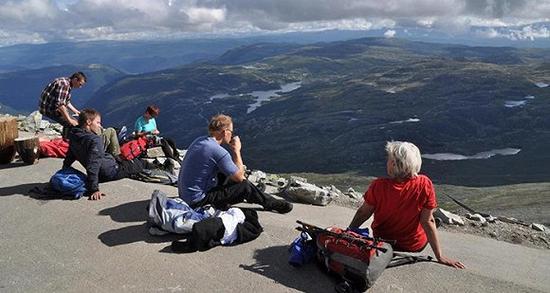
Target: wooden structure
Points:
(27, 148)
(8, 133)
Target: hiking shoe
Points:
(280, 206)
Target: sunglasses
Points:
(233, 132)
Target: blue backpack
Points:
(69, 182)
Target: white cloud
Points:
(12, 38)
(528, 32)
(205, 15)
(426, 22)
(16, 13)
(389, 34)
(108, 19)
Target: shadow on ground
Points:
(135, 211)
(38, 190)
(272, 262)
(12, 165)
(135, 233)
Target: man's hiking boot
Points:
(278, 205)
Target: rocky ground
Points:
(512, 233)
(298, 188)
(104, 246)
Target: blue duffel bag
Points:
(69, 182)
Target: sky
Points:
(42, 21)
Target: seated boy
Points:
(86, 146)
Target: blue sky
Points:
(42, 21)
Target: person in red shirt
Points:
(403, 204)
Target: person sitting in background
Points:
(403, 204)
(86, 146)
(199, 182)
(146, 124)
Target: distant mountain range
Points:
(20, 90)
(352, 97)
(146, 56)
(136, 57)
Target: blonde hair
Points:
(406, 158)
(219, 122)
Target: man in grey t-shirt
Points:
(205, 159)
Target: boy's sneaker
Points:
(280, 206)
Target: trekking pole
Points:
(485, 215)
(400, 259)
(465, 206)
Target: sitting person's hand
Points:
(96, 195)
(235, 144)
(141, 134)
(451, 262)
(155, 132)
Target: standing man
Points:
(199, 183)
(55, 100)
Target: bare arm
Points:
(63, 111)
(428, 223)
(73, 108)
(237, 159)
(362, 214)
(63, 100)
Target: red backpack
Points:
(134, 148)
(357, 259)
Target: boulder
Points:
(304, 192)
(44, 124)
(353, 194)
(32, 122)
(538, 227)
(448, 217)
(476, 217)
(491, 219)
(257, 176)
(333, 191)
(281, 182)
(298, 178)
